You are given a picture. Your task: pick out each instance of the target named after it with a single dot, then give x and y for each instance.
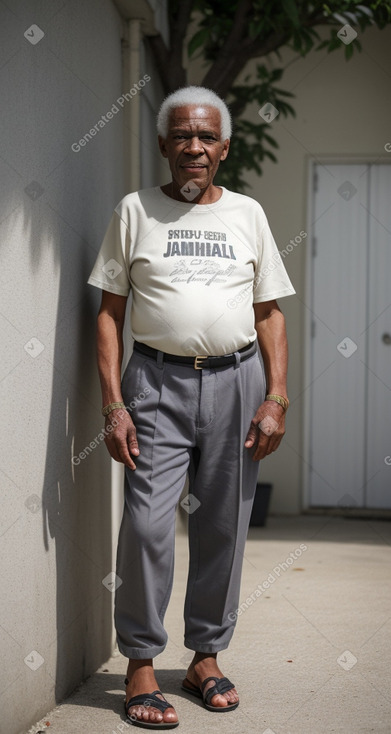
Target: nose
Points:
(194, 146)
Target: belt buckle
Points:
(197, 359)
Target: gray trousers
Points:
(192, 421)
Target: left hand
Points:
(267, 438)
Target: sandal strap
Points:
(222, 685)
(148, 699)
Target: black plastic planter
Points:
(261, 504)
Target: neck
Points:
(205, 196)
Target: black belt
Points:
(200, 361)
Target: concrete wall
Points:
(155, 170)
(55, 613)
(343, 109)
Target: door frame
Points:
(311, 162)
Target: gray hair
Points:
(193, 95)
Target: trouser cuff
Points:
(140, 653)
(199, 647)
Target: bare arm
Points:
(121, 440)
(272, 340)
(270, 328)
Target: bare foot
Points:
(142, 679)
(204, 665)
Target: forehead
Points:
(195, 116)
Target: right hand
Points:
(121, 440)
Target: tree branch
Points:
(258, 48)
(223, 72)
(228, 62)
(220, 77)
(183, 18)
(239, 23)
(170, 61)
(179, 30)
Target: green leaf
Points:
(253, 140)
(322, 45)
(271, 141)
(276, 75)
(198, 40)
(271, 156)
(283, 93)
(290, 8)
(349, 51)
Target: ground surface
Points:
(310, 655)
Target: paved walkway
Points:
(311, 651)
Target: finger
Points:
(277, 437)
(250, 438)
(112, 450)
(122, 456)
(132, 442)
(261, 446)
(118, 450)
(261, 450)
(125, 457)
(265, 448)
(252, 434)
(265, 441)
(274, 443)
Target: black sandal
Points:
(222, 685)
(149, 699)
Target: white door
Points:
(350, 382)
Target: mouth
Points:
(193, 166)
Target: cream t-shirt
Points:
(194, 270)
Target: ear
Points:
(225, 150)
(162, 146)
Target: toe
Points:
(170, 715)
(159, 716)
(219, 700)
(232, 696)
(155, 715)
(142, 713)
(133, 712)
(152, 714)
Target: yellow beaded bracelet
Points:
(112, 406)
(284, 402)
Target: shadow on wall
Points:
(76, 497)
(57, 205)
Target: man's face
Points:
(193, 145)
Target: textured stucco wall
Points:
(55, 614)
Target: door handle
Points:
(386, 339)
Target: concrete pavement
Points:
(311, 650)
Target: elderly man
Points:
(204, 272)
